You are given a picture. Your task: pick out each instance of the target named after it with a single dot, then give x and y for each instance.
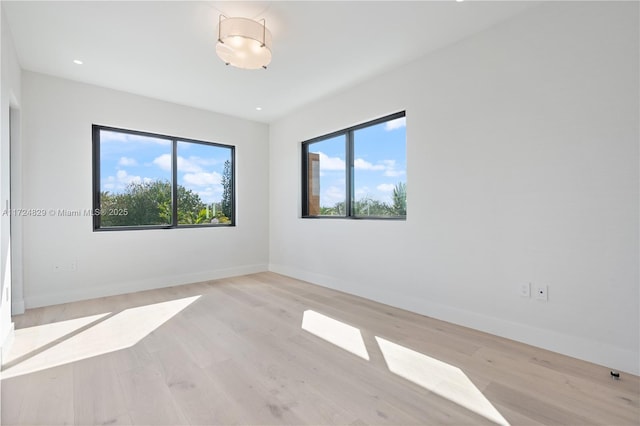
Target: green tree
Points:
(191, 209)
(400, 199)
(367, 206)
(338, 209)
(150, 203)
(146, 203)
(227, 190)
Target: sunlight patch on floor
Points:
(340, 334)
(438, 377)
(33, 338)
(120, 331)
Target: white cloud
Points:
(331, 163)
(108, 136)
(388, 166)
(185, 165)
(126, 161)
(362, 191)
(395, 124)
(390, 169)
(125, 179)
(394, 173)
(190, 165)
(164, 162)
(332, 195)
(205, 161)
(202, 178)
(120, 181)
(361, 164)
(385, 187)
(210, 194)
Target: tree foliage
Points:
(150, 203)
(146, 203)
(369, 206)
(338, 209)
(400, 199)
(227, 190)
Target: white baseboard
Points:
(577, 347)
(77, 294)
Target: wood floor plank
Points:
(238, 354)
(50, 398)
(148, 398)
(97, 395)
(534, 407)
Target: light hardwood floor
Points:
(238, 354)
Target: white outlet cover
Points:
(525, 290)
(542, 293)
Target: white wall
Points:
(57, 119)
(522, 146)
(9, 98)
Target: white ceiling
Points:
(166, 49)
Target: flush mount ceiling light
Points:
(244, 43)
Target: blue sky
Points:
(126, 158)
(380, 163)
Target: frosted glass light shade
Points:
(244, 43)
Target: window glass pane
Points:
(326, 177)
(135, 180)
(204, 184)
(135, 186)
(379, 177)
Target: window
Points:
(358, 172)
(143, 180)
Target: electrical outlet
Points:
(66, 267)
(542, 292)
(525, 289)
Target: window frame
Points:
(174, 140)
(348, 134)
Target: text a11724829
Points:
(58, 212)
